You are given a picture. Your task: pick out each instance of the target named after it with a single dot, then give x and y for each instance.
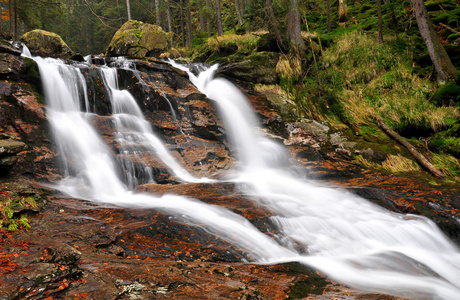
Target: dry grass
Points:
(393, 164)
(381, 80)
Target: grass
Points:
(380, 79)
(393, 163)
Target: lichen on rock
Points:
(45, 43)
(136, 39)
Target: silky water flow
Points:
(344, 236)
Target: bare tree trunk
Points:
(220, 29)
(232, 16)
(210, 9)
(128, 7)
(1, 20)
(188, 25)
(182, 27)
(12, 25)
(274, 24)
(441, 61)
(170, 28)
(293, 24)
(343, 13)
(16, 23)
(328, 13)
(202, 19)
(238, 12)
(157, 12)
(379, 12)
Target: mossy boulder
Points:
(448, 95)
(47, 44)
(259, 67)
(136, 39)
(447, 141)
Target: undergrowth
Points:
(8, 218)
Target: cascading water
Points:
(344, 236)
(340, 234)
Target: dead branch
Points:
(100, 19)
(450, 28)
(417, 155)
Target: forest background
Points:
(356, 66)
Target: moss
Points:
(448, 95)
(447, 141)
(314, 284)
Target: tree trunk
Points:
(293, 25)
(188, 24)
(328, 13)
(275, 26)
(16, 23)
(209, 13)
(343, 13)
(379, 13)
(220, 29)
(202, 18)
(238, 12)
(182, 27)
(128, 7)
(12, 25)
(417, 155)
(157, 12)
(441, 61)
(170, 28)
(232, 16)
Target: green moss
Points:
(314, 284)
(447, 141)
(447, 95)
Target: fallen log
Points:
(417, 155)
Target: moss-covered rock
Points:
(448, 95)
(45, 43)
(259, 67)
(447, 141)
(136, 39)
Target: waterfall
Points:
(344, 236)
(336, 232)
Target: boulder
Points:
(136, 39)
(259, 67)
(47, 44)
(8, 150)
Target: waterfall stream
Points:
(344, 236)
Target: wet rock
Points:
(8, 150)
(46, 44)
(136, 39)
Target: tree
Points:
(274, 24)
(239, 14)
(343, 14)
(379, 12)
(293, 24)
(220, 30)
(441, 61)
(128, 7)
(328, 13)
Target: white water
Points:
(344, 236)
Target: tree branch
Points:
(450, 28)
(417, 155)
(100, 19)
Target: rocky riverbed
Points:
(78, 249)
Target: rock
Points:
(8, 150)
(268, 42)
(46, 44)
(447, 141)
(136, 39)
(259, 67)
